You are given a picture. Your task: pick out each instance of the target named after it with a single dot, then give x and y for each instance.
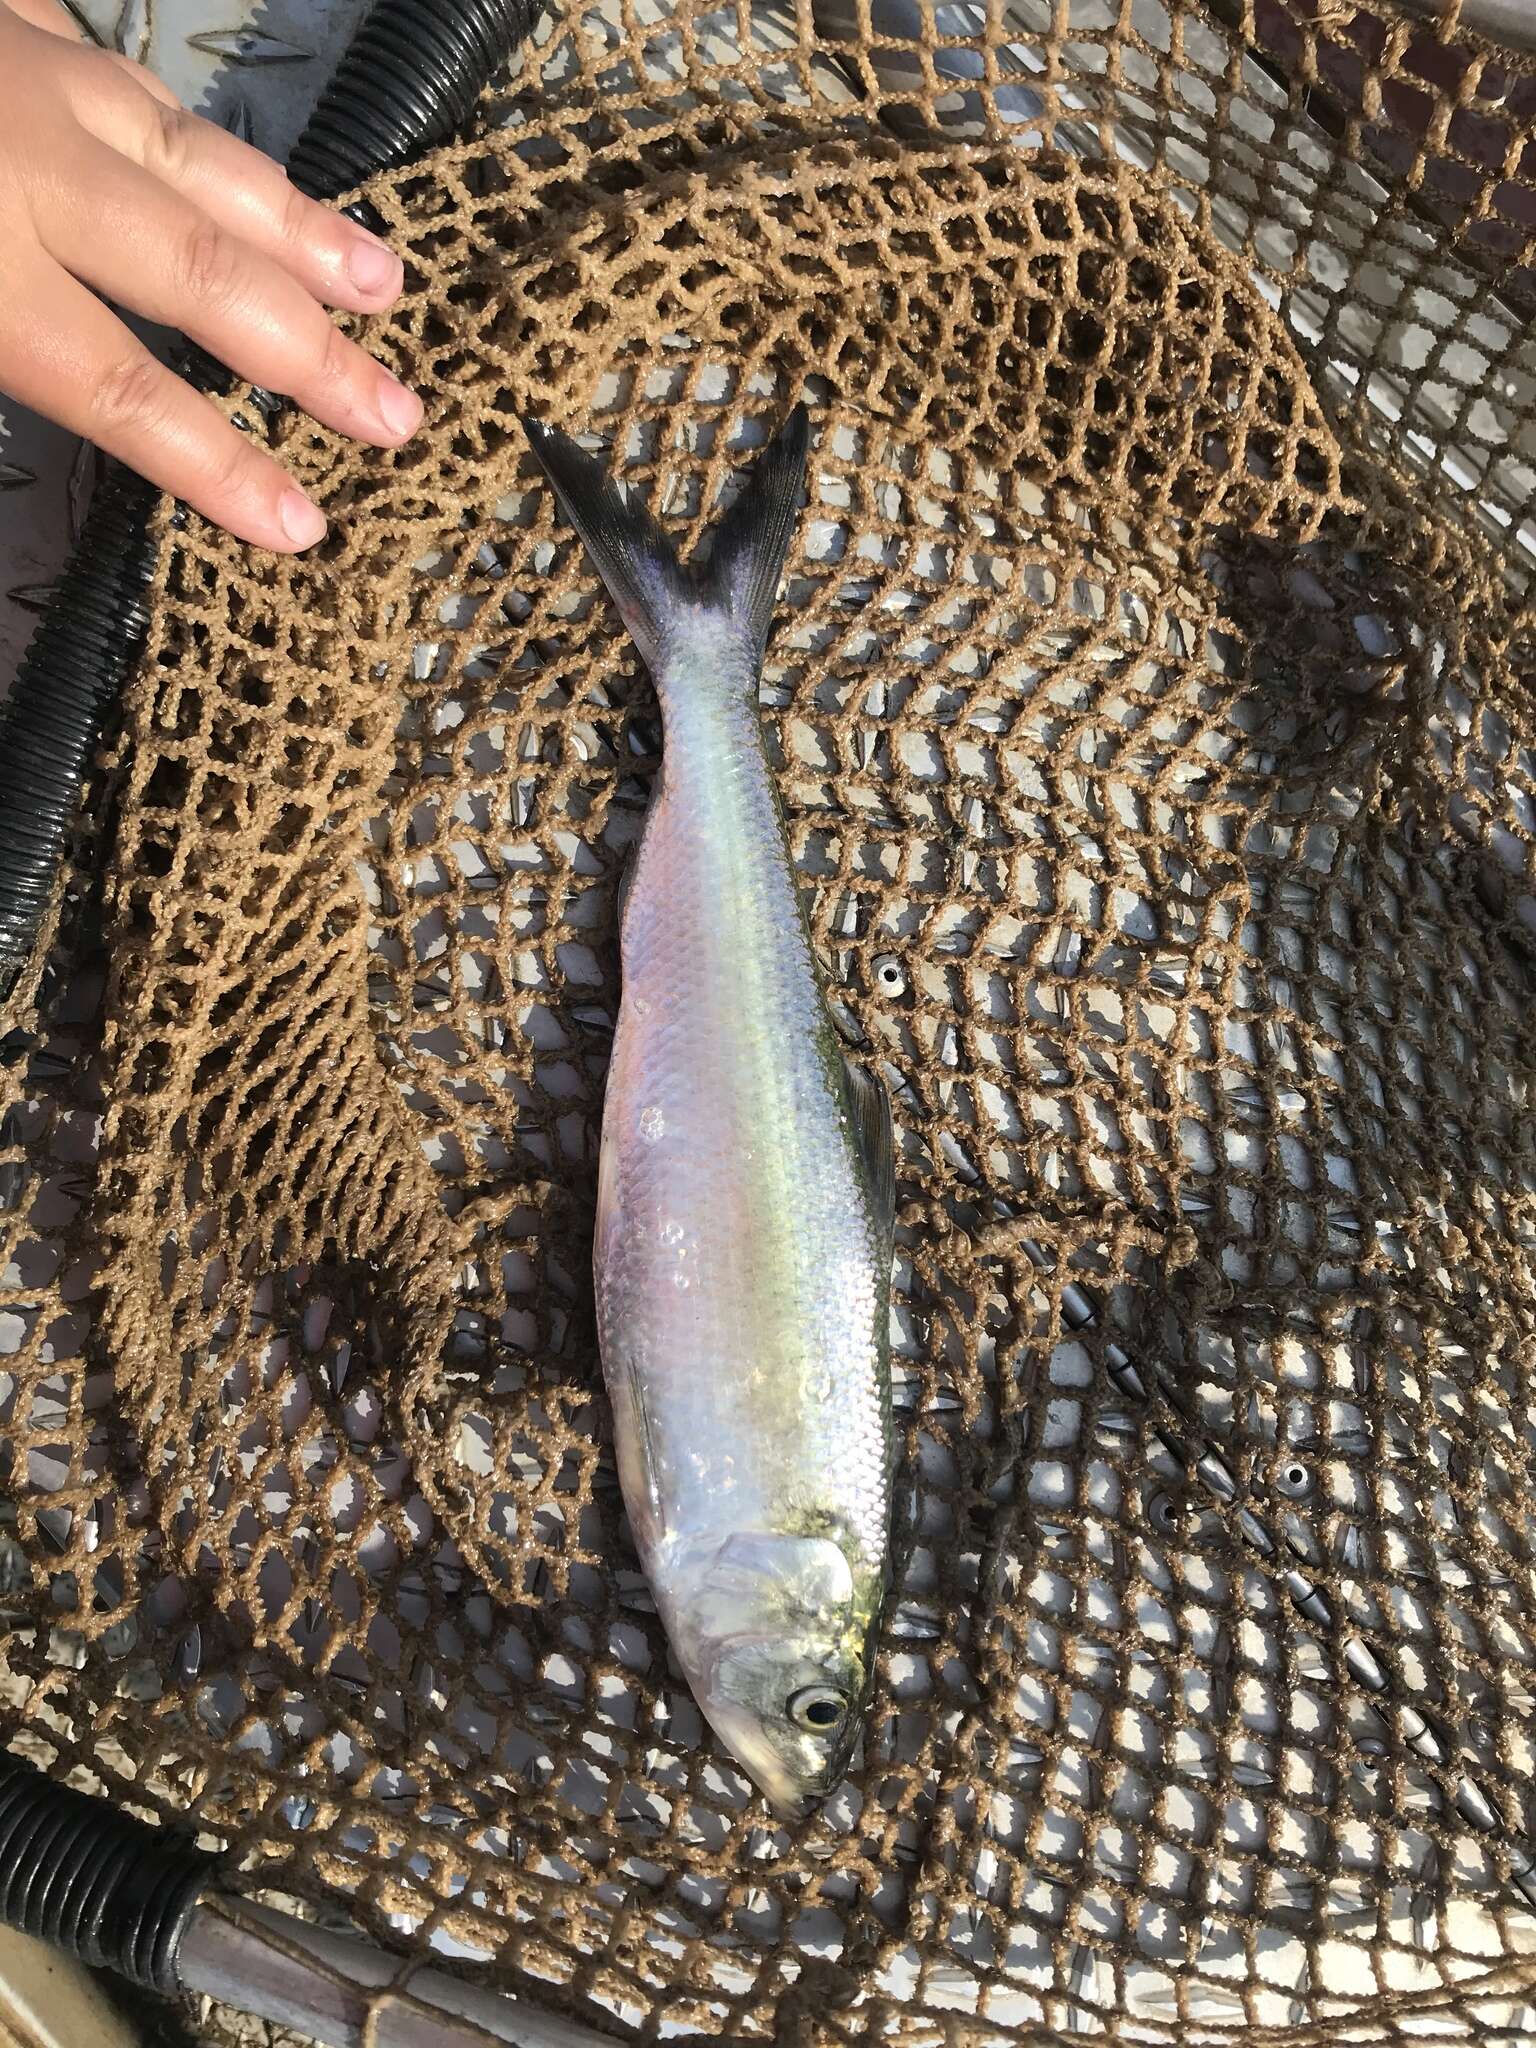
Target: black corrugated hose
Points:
(94, 1882)
(408, 81)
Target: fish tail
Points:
(637, 560)
(746, 561)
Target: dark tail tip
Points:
(632, 554)
(750, 543)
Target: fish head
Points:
(773, 1633)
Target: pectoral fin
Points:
(876, 1137)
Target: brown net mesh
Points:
(1152, 693)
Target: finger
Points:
(245, 192)
(158, 255)
(70, 359)
(144, 79)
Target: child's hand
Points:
(108, 185)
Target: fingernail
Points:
(301, 521)
(373, 267)
(399, 409)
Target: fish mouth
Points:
(840, 1755)
(793, 1795)
(795, 1807)
(794, 1812)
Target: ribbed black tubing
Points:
(69, 679)
(408, 81)
(102, 1887)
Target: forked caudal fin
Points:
(638, 562)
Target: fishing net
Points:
(1152, 701)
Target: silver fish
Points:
(745, 1195)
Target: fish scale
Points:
(693, 1202)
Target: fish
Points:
(746, 1181)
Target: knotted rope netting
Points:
(1152, 694)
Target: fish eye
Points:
(819, 1709)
